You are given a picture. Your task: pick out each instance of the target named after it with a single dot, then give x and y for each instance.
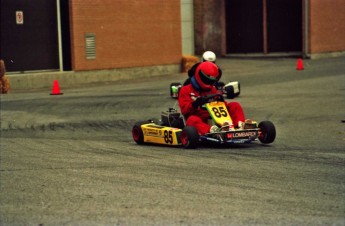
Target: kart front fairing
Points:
(232, 137)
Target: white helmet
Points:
(209, 56)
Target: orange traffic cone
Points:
(299, 64)
(56, 88)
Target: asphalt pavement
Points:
(70, 159)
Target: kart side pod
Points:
(149, 132)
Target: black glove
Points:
(199, 102)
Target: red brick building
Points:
(79, 35)
(127, 33)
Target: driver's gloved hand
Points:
(199, 102)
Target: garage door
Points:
(263, 26)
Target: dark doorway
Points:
(263, 26)
(31, 44)
(244, 26)
(284, 25)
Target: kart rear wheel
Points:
(189, 137)
(230, 92)
(267, 132)
(137, 133)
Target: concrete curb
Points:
(73, 78)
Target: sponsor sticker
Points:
(151, 132)
(243, 134)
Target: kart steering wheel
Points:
(214, 97)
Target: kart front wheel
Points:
(189, 137)
(267, 132)
(137, 133)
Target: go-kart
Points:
(171, 129)
(230, 90)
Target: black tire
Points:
(137, 132)
(189, 137)
(267, 132)
(230, 93)
(174, 84)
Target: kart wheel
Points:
(230, 92)
(189, 137)
(267, 132)
(172, 94)
(137, 133)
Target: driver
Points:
(192, 97)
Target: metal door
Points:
(29, 35)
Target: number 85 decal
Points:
(219, 112)
(168, 138)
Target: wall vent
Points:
(90, 46)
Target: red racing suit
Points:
(198, 117)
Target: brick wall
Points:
(128, 33)
(327, 26)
